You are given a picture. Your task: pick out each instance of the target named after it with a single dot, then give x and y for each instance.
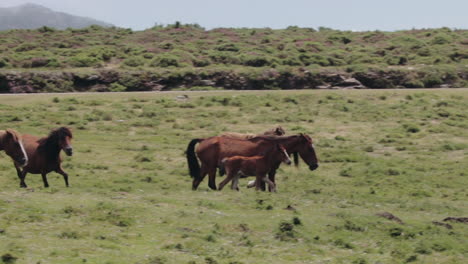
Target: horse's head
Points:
(283, 154)
(306, 150)
(63, 136)
(13, 146)
(279, 131)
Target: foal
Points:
(12, 144)
(44, 154)
(258, 166)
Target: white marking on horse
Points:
(24, 153)
(288, 160)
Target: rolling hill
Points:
(31, 16)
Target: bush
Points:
(165, 60)
(3, 63)
(255, 61)
(228, 47)
(115, 87)
(134, 62)
(83, 61)
(45, 29)
(441, 39)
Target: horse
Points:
(277, 131)
(44, 155)
(211, 151)
(11, 142)
(257, 166)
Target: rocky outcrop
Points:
(102, 80)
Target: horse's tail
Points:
(296, 158)
(194, 167)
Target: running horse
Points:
(258, 166)
(44, 154)
(211, 151)
(11, 142)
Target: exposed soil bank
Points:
(103, 80)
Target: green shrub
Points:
(134, 62)
(3, 63)
(165, 60)
(83, 61)
(115, 87)
(441, 39)
(228, 47)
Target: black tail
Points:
(296, 159)
(194, 167)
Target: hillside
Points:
(189, 57)
(32, 16)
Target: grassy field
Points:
(130, 199)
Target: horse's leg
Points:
(271, 177)
(212, 178)
(259, 183)
(44, 179)
(203, 172)
(225, 181)
(271, 185)
(64, 174)
(235, 182)
(21, 176)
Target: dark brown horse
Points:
(277, 131)
(211, 151)
(44, 154)
(258, 166)
(12, 143)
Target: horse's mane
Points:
(49, 144)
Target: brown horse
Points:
(211, 151)
(277, 131)
(44, 154)
(257, 166)
(12, 143)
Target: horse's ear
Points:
(280, 131)
(10, 133)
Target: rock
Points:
(206, 83)
(92, 77)
(182, 97)
(457, 219)
(448, 226)
(390, 216)
(323, 87)
(350, 82)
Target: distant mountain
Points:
(31, 16)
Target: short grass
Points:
(130, 200)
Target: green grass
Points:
(130, 198)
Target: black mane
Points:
(50, 144)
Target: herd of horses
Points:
(260, 156)
(234, 154)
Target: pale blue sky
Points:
(360, 15)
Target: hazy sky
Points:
(338, 14)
